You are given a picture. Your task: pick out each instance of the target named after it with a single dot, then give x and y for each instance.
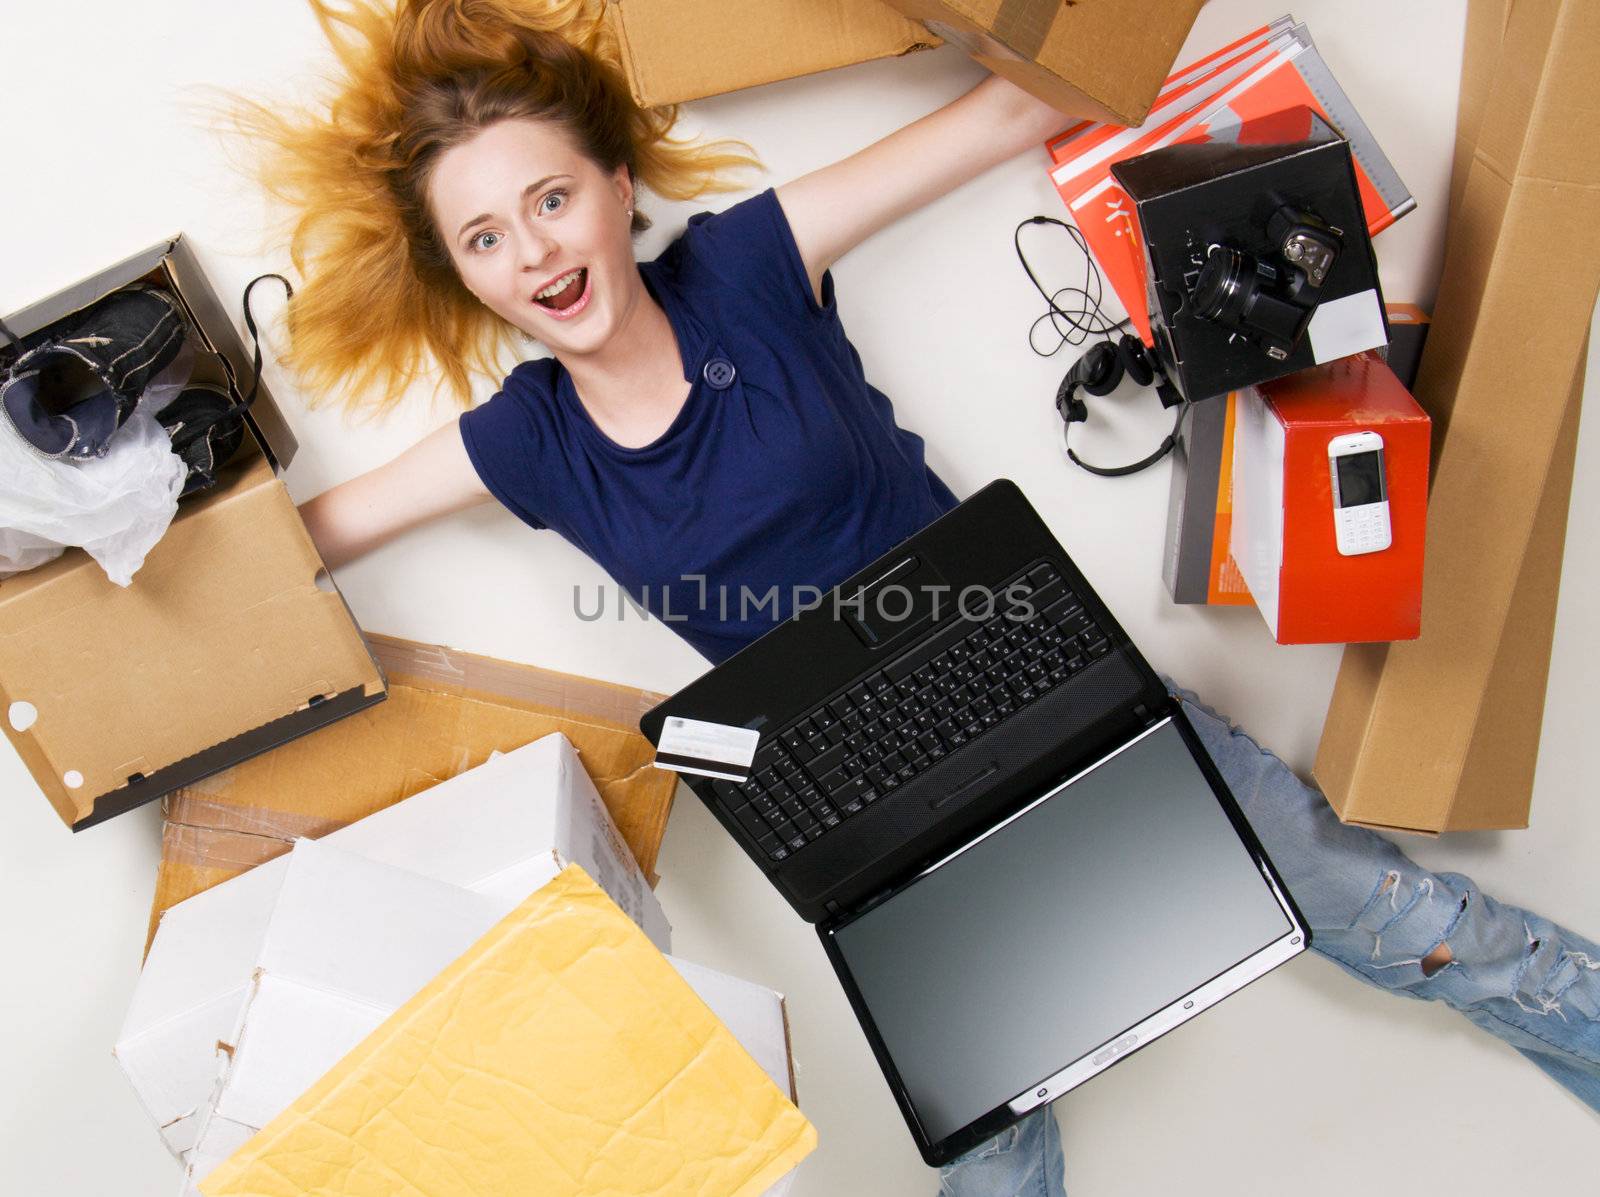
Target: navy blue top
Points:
(784, 469)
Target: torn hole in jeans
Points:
(1438, 957)
(1441, 956)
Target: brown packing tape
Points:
(446, 712)
(1415, 731)
(190, 810)
(1023, 25)
(1104, 61)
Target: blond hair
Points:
(380, 304)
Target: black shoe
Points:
(206, 428)
(74, 384)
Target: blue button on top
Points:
(719, 373)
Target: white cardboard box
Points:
(1257, 533)
(348, 943)
(501, 831)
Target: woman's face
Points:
(539, 233)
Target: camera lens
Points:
(1222, 290)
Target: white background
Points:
(1308, 1081)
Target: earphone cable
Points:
(1087, 319)
(1086, 316)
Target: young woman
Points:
(702, 422)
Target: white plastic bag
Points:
(115, 507)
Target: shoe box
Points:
(232, 638)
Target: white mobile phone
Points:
(1360, 493)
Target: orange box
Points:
(1283, 514)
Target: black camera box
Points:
(1225, 191)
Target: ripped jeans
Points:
(1378, 915)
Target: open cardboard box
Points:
(1442, 733)
(231, 640)
(1100, 61)
(447, 711)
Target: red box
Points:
(1283, 534)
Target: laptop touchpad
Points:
(901, 600)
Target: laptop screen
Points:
(1112, 898)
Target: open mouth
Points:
(567, 295)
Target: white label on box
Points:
(1341, 327)
(710, 749)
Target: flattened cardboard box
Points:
(231, 639)
(1523, 253)
(1104, 61)
(447, 711)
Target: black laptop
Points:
(1020, 860)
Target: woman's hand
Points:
(836, 208)
(434, 477)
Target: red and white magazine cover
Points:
(1072, 142)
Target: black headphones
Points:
(1099, 371)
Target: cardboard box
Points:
(561, 1055)
(347, 943)
(1198, 566)
(500, 830)
(231, 640)
(1522, 263)
(1103, 61)
(331, 969)
(678, 50)
(1226, 191)
(447, 711)
(1283, 535)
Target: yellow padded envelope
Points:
(561, 1056)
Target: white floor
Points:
(1307, 1082)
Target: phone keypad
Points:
(1364, 529)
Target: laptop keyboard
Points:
(880, 732)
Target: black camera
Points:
(1257, 258)
(1269, 302)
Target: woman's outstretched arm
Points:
(836, 208)
(434, 477)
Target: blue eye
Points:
(478, 242)
(559, 196)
